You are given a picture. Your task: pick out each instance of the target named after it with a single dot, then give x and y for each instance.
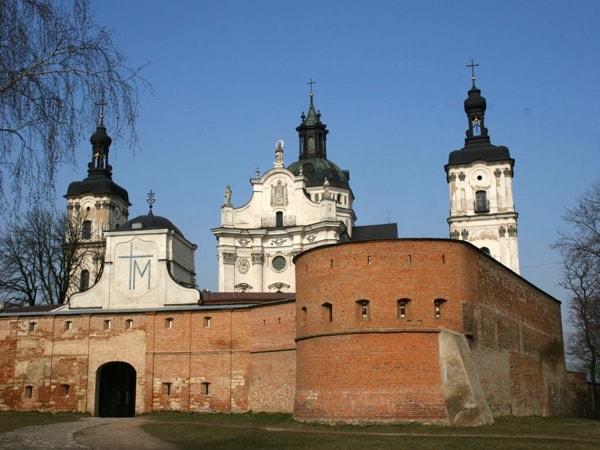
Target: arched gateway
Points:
(115, 390)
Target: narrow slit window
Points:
(327, 310)
(168, 323)
(363, 309)
(402, 308)
(437, 307)
(167, 388)
(207, 322)
(206, 388)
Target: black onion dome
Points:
(100, 137)
(99, 180)
(478, 146)
(475, 101)
(149, 222)
(317, 169)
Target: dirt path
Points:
(123, 434)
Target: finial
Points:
(101, 104)
(472, 66)
(257, 173)
(151, 200)
(311, 82)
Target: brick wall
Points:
(350, 329)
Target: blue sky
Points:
(230, 78)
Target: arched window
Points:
(481, 203)
(486, 251)
(84, 280)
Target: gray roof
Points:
(375, 232)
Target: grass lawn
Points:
(262, 431)
(269, 431)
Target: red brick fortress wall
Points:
(369, 317)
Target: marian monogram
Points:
(140, 268)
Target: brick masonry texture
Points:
(361, 343)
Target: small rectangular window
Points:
(327, 312)
(68, 325)
(64, 390)
(207, 322)
(206, 388)
(363, 309)
(107, 324)
(28, 391)
(402, 305)
(437, 305)
(167, 388)
(32, 326)
(86, 229)
(129, 324)
(168, 323)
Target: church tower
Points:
(292, 209)
(479, 176)
(95, 205)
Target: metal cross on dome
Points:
(151, 200)
(472, 66)
(311, 82)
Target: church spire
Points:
(475, 106)
(312, 132)
(100, 141)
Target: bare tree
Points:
(42, 256)
(580, 248)
(56, 67)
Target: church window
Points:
(169, 323)
(207, 322)
(28, 391)
(86, 229)
(107, 324)
(32, 326)
(437, 307)
(481, 203)
(84, 280)
(279, 263)
(327, 312)
(167, 388)
(129, 324)
(206, 388)
(402, 307)
(68, 325)
(64, 390)
(279, 219)
(363, 309)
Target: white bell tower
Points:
(479, 176)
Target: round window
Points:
(279, 263)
